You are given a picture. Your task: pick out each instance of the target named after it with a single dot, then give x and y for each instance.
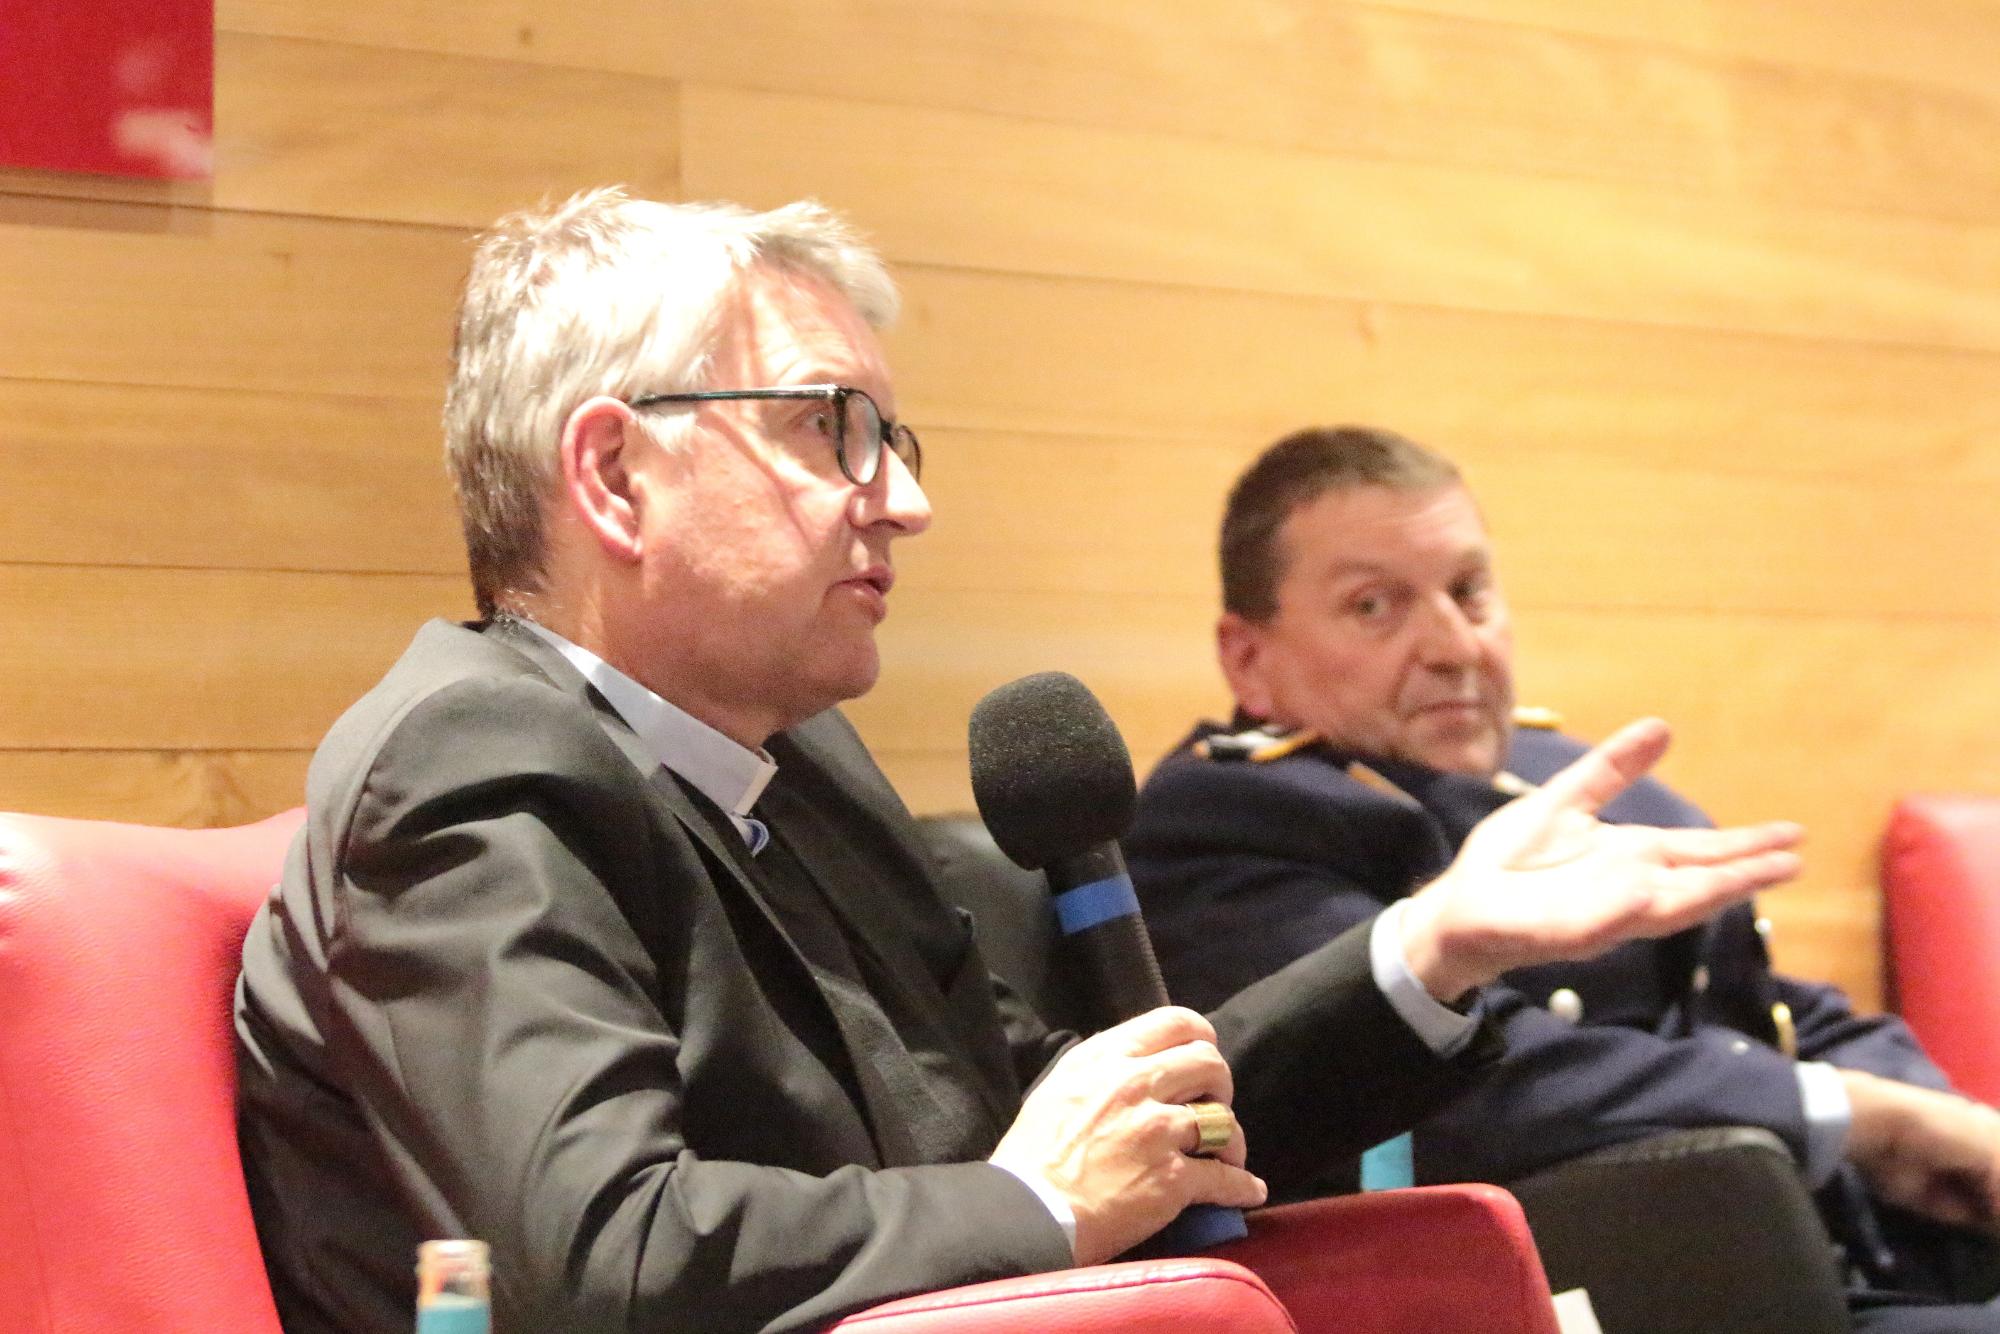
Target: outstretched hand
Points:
(1542, 879)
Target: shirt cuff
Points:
(1444, 1030)
(1052, 1200)
(1828, 1115)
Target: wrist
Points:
(1444, 969)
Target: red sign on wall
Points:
(117, 87)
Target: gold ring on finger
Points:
(1215, 1125)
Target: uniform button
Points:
(1764, 927)
(1739, 1046)
(1566, 1005)
(1700, 979)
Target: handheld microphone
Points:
(1053, 781)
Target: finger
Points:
(1188, 1073)
(1613, 765)
(1155, 1031)
(1234, 1149)
(1696, 847)
(1684, 895)
(1213, 1181)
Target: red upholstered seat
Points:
(1941, 906)
(122, 1205)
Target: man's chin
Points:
(1479, 756)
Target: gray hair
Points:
(603, 294)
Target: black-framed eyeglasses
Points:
(852, 424)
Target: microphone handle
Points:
(1098, 912)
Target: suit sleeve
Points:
(502, 1027)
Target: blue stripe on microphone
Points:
(1099, 901)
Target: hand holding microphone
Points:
(1132, 1124)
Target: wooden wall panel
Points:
(1575, 98)
(1146, 208)
(120, 293)
(107, 658)
(218, 478)
(1934, 43)
(1073, 356)
(1705, 296)
(1714, 540)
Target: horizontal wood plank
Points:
(137, 659)
(1158, 208)
(333, 129)
(1071, 515)
(1070, 356)
(1411, 86)
(1941, 44)
(188, 789)
(199, 477)
(145, 294)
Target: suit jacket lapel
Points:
(728, 861)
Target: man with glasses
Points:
(606, 942)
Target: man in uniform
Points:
(606, 942)
(1369, 649)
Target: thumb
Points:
(1613, 765)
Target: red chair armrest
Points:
(1142, 1296)
(1431, 1260)
(1941, 890)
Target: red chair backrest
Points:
(1941, 900)
(122, 1204)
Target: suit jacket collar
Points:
(729, 860)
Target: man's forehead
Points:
(797, 327)
(1369, 527)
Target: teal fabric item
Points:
(1389, 1165)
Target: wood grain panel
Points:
(325, 128)
(135, 659)
(1945, 44)
(1155, 208)
(187, 789)
(1009, 352)
(117, 475)
(1067, 514)
(1356, 79)
(145, 294)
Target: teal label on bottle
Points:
(447, 1314)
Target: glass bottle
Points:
(453, 1296)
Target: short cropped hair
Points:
(603, 294)
(1296, 471)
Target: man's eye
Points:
(825, 424)
(1370, 606)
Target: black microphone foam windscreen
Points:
(1050, 772)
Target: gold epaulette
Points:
(1255, 745)
(1536, 717)
(1368, 777)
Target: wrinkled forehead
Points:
(1370, 524)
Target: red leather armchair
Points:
(122, 1204)
(1941, 906)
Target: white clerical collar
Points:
(718, 768)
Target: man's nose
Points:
(894, 498)
(1449, 637)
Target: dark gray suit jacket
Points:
(518, 984)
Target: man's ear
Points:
(597, 484)
(1239, 649)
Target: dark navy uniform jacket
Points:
(1243, 866)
